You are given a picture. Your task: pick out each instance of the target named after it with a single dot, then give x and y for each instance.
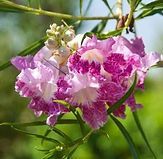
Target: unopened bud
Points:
(69, 35)
(51, 44)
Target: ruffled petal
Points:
(23, 62)
(95, 115)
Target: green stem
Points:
(18, 7)
(79, 119)
(81, 140)
(131, 13)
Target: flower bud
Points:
(69, 35)
(51, 44)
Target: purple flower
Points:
(95, 114)
(99, 72)
(103, 71)
(38, 81)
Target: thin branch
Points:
(35, 11)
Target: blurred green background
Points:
(17, 31)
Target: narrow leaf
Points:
(110, 34)
(72, 152)
(36, 123)
(29, 50)
(154, 4)
(37, 135)
(127, 137)
(67, 121)
(40, 123)
(155, 7)
(47, 132)
(137, 3)
(150, 12)
(124, 98)
(139, 126)
(89, 34)
(62, 134)
(108, 6)
(104, 132)
(99, 27)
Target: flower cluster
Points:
(91, 76)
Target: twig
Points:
(27, 9)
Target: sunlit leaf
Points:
(127, 137)
(137, 3)
(29, 50)
(137, 121)
(155, 7)
(154, 4)
(150, 12)
(124, 98)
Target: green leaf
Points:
(99, 27)
(102, 36)
(127, 137)
(71, 152)
(67, 121)
(89, 34)
(36, 123)
(137, 3)
(109, 34)
(40, 123)
(159, 64)
(155, 7)
(61, 133)
(29, 50)
(124, 98)
(38, 136)
(150, 12)
(47, 132)
(104, 132)
(154, 4)
(108, 6)
(139, 126)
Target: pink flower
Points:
(98, 72)
(112, 64)
(38, 81)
